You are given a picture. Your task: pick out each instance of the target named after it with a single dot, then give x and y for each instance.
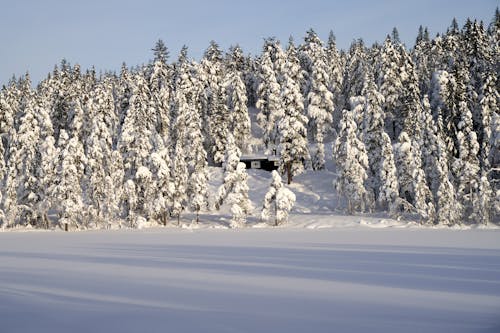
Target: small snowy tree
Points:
(238, 198)
(278, 201)
(234, 188)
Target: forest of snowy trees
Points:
(414, 131)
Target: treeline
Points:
(414, 131)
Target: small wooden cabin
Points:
(264, 162)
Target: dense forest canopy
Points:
(414, 131)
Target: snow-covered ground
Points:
(349, 279)
(321, 272)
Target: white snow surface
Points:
(251, 280)
(321, 272)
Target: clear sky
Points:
(36, 34)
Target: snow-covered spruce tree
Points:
(138, 129)
(197, 186)
(354, 75)
(488, 99)
(231, 160)
(46, 153)
(115, 196)
(390, 82)
(27, 160)
(369, 117)
(241, 206)
(137, 141)
(413, 190)
(435, 161)
(123, 92)
(234, 189)
(278, 201)
(388, 187)
(352, 165)
(98, 151)
(68, 190)
(466, 167)
(269, 98)
(319, 99)
(182, 109)
(215, 115)
(421, 54)
(335, 71)
(144, 187)
(442, 104)
(160, 82)
(293, 148)
(237, 104)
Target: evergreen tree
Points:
(68, 190)
(319, 98)
(197, 187)
(278, 201)
(352, 165)
(269, 102)
(231, 160)
(234, 189)
(335, 72)
(292, 129)
(215, 112)
(160, 88)
(237, 104)
(99, 148)
(466, 167)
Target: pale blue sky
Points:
(36, 34)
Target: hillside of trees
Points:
(415, 131)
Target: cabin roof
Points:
(259, 157)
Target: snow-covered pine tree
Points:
(70, 172)
(182, 109)
(390, 82)
(388, 187)
(237, 104)
(137, 141)
(138, 129)
(241, 206)
(215, 115)
(352, 165)
(115, 197)
(413, 188)
(197, 186)
(370, 121)
(421, 55)
(98, 151)
(269, 99)
(319, 99)
(335, 71)
(466, 167)
(160, 82)
(278, 201)
(293, 147)
(354, 75)
(231, 160)
(234, 189)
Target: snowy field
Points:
(348, 279)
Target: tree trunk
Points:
(66, 226)
(289, 172)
